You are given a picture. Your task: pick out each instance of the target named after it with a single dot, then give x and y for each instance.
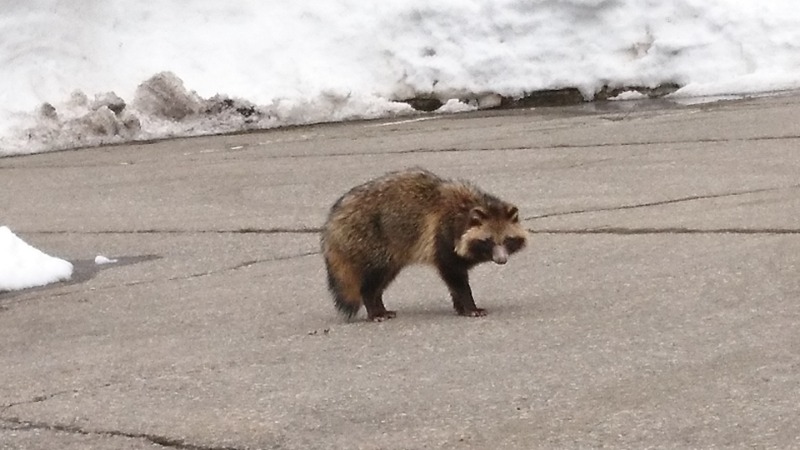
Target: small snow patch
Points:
(100, 259)
(23, 266)
(455, 106)
(629, 95)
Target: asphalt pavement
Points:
(657, 304)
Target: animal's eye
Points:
(513, 244)
(482, 247)
(485, 244)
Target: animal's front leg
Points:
(457, 280)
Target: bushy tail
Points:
(348, 307)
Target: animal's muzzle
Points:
(499, 254)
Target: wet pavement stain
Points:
(83, 271)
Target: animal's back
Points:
(384, 218)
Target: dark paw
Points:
(477, 312)
(381, 316)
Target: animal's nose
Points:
(499, 254)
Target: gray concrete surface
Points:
(657, 305)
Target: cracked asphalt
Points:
(657, 305)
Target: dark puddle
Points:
(83, 270)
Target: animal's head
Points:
(492, 233)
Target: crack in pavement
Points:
(249, 230)
(623, 231)
(515, 148)
(660, 202)
(45, 397)
(676, 141)
(15, 423)
(39, 399)
(245, 264)
(603, 230)
(241, 265)
(528, 148)
(316, 230)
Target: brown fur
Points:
(407, 217)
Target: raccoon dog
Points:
(413, 216)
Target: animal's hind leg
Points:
(344, 283)
(373, 284)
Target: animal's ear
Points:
(477, 216)
(513, 214)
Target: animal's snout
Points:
(499, 254)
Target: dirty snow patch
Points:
(456, 106)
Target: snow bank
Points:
(258, 64)
(23, 266)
